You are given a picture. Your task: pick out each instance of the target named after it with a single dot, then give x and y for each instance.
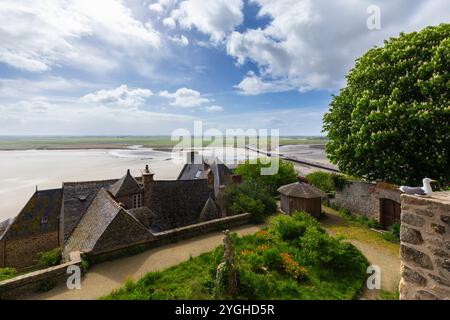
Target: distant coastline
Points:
(159, 143)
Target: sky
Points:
(111, 67)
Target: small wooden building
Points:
(300, 196)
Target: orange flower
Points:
(292, 267)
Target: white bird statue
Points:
(425, 190)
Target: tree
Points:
(286, 174)
(391, 121)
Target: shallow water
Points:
(22, 171)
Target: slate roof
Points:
(178, 203)
(125, 186)
(301, 190)
(3, 227)
(143, 214)
(209, 211)
(77, 197)
(39, 215)
(193, 171)
(99, 217)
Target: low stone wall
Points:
(170, 236)
(364, 198)
(425, 247)
(30, 282)
(24, 284)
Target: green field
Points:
(110, 142)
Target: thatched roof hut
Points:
(300, 196)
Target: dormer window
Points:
(137, 200)
(198, 174)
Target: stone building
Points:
(301, 196)
(97, 216)
(379, 201)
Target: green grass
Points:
(353, 229)
(388, 295)
(261, 274)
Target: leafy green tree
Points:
(250, 197)
(286, 174)
(391, 121)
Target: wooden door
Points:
(390, 212)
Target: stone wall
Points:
(23, 253)
(364, 198)
(425, 247)
(170, 236)
(24, 284)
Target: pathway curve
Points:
(102, 278)
(385, 258)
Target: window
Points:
(137, 200)
(198, 174)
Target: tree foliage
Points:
(391, 121)
(286, 174)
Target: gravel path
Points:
(101, 279)
(388, 262)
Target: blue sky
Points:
(148, 67)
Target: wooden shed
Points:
(300, 196)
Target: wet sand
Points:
(22, 171)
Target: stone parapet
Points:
(425, 247)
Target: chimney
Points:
(147, 181)
(210, 179)
(190, 156)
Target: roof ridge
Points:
(88, 181)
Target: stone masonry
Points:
(425, 247)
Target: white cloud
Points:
(311, 45)
(156, 7)
(181, 40)
(254, 85)
(170, 23)
(214, 108)
(45, 117)
(39, 35)
(121, 96)
(215, 18)
(185, 98)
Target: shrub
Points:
(50, 258)
(250, 197)
(290, 228)
(331, 252)
(286, 174)
(7, 273)
(321, 180)
(393, 234)
(327, 182)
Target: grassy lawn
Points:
(354, 230)
(292, 259)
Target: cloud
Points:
(214, 108)
(310, 45)
(121, 96)
(254, 85)
(46, 117)
(215, 18)
(185, 98)
(156, 7)
(181, 40)
(37, 36)
(170, 23)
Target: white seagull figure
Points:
(425, 190)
